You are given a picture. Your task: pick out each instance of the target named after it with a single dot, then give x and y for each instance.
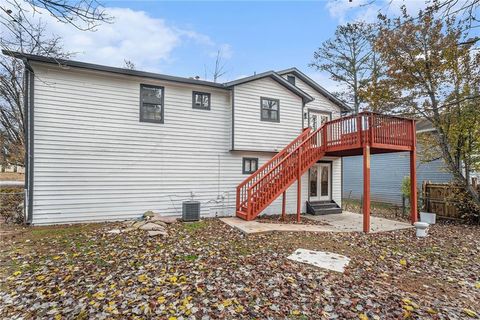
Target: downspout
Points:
(303, 114)
(28, 123)
(233, 119)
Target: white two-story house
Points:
(107, 143)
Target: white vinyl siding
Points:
(251, 133)
(320, 102)
(94, 160)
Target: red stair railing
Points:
(260, 189)
(242, 188)
(268, 187)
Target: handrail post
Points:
(359, 129)
(370, 128)
(324, 137)
(238, 199)
(249, 204)
(371, 124)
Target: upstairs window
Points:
(250, 165)
(270, 109)
(291, 79)
(201, 100)
(151, 103)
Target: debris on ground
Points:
(151, 222)
(208, 270)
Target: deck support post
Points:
(413, 175)
(413, 186)
(299, 198)
(283, 205)
(299, 185)
(366, 188)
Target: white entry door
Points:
(316, 119)
(319, 182)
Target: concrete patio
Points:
(343, 222)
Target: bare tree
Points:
(82, 14)
(23, 32)
(346, 58)
(467, 11)
(128, 64)
(219, 70)
(12, 126)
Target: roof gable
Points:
(274, 76)
(316, 86)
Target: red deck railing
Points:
(261, 188)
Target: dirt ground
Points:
(12, 176)
(207, 270)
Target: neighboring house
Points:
(388, 171)
(107, 143)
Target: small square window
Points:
(151, 103)
(269, 109)
(250, 165)
(201, 100)
(291, 79)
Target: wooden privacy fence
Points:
(438, 198)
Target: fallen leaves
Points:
(209, 270)
(470, 313)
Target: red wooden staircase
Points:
(347, 136)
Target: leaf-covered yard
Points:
(208, 270)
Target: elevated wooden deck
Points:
(362, 134)
(383, 134)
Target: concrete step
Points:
(323, 207)
(328, 211)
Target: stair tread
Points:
(324, 205)
(328, 211)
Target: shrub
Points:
(11, 205)
(406, 187)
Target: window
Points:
(270, 109)
(291, 79)
(201, 100)
(151, 103)
(250, 165)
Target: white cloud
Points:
(340, 9)
(147, 41)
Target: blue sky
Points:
(260, 36)
(182, 38)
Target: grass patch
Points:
(61, 231)
(194, 226)
(190, 257)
